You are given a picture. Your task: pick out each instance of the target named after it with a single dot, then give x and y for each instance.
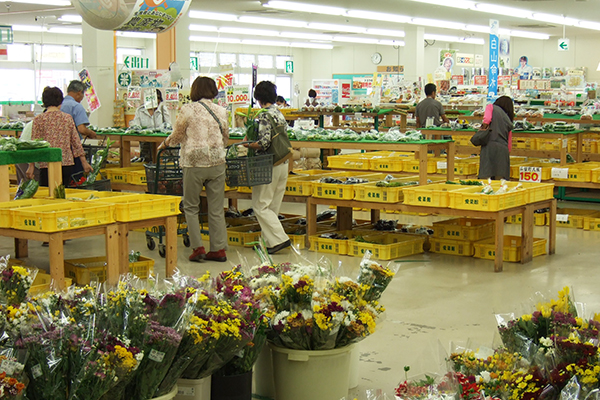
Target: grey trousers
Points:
(213, 178)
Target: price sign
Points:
(171, 94)
(530, 174)
(442, 165)
(562, 217)
(237, 94)
(560, 173)
(134, 93)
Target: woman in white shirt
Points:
(153, 118)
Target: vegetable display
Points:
(27, 189)
(14, 144)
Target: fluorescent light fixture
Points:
(392, 42)
(454, 39)
(337, 28)
(590, 25)
(265, 42)
(71, 18)
(137, 35)
(437, 23)
(312, 46)
(554, 19)
(524, 34)
(67, 31)
(247, 31)
(203, 28)
(273, 21)
(377, 16)
(28, 28)
(212, 16)
(502, 10)
(598, 68)
(59, 3)
(350, 39)
(464, 4)
(306, 36)
(477, 28)
(385, 32)
(304, 7)
(214, 39)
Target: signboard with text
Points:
(237, 94)
(494, 57)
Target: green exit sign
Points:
(6, 34)
(135, 62)
(194, 64)
(289, 67)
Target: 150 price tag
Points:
(530, 174)
(560, 173)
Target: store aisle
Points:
(434, 299)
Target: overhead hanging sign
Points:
(6, 34)
(139, 16)
(135, 62)
(124, 79)
(90, 93)
(465, 59)
(494, 56)
(563, 44)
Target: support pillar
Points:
(174, 45)
(414, 51)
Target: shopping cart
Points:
(166, 177)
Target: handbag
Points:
(281, 147)
(481, 137)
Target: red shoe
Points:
(198, 254)
(219, 256)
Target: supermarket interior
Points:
(440, 243)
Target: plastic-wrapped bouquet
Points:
(15, 281)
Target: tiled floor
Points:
(434, 299)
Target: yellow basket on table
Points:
(472, 198)
(6, 208)
(434, 195)
(83, 270)
(355, 161)
(574, 217)
(136, 207)
(387, 246)
(340, 190)
(385, 194)
(451, 246)
(63, 216)
(579, 172)
(464, 229)
(486, 249)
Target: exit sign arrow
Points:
(563, 44)
(126, 61)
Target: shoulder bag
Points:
(481, 137)
(281, 148)
(214, 116)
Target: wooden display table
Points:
(345, 207)
(125, 143)
(387, 114)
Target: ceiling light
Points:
(524, 34)
(590, 25)
(337, 28)
(350, 39)
(28, 28)
(138, 35)
(212, 16)
(60, 3)
(312, 45)
(464, 4)
(502, 10)
(392, 42)
(203, 28)
(377, 16)
(247, 31)
(265, 42)
(273, 21)
(454, 39)
(437, 23)
(214, 39)
(307, 36)
(304, 7)
(71, 18)
(554, 19)
(68, 31)
(477, 28)
(385, 32)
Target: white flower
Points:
(485, 376)
(306, 314)
(546, 342)
(281, 316)
(345, 279)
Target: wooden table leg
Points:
(112, 254)
(344, 218)
(171, 245)
(422, 164)
(125, 153)
(123, 257)
(403, 121)
(233, 203)
(21, 248)
(57, 259)
(55, 177)
(579, 153)
(4, 184)
(311, 220)
(563, 149)
(375, 215)
(499, 242)
(527, 235)
(450, 160)
(552, 228)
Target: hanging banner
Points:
(494, 53)
(172, 94)
(447, 59)
(140, 16)
(90, 92)
(465, 60)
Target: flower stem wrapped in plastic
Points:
(15, 281)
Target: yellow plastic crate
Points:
(356, 161)
(590, 145)
(333, 246)
(12, 169)
(83, 270)
(463, 166)
(576, 217)
(136, 207)
(451, 246)
(524, 143)
(121, 175)
(136, 177)
(298, 241)
(464, 229)
(539, 219)
(546, 169)
(6, 208)
(391, 163)
(511, 252)
(472, 199)
(388, 246)
(591, 223)
(303, 185)
(339, 190)
(550, 144)
(310, 172)
(595, 176)
(63, 216)
(435, 195)
(581, 172)
(413, 166)
(372, 192)
(538, 191)
(462, 140)
(241, 235)
(42, 282)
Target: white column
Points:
(413, 53)
(98, 59)
(182, 41)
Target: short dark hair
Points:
(430, 88)
(159, 96)
(76, 87)
(312, 93)
(266, 92)
(52, 97)
(203, 88)
(524, 58)
(280, 99)
(506, 103)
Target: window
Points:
(19, 52)
(53, 78)
(265, 62)
(207, 59)
(226, 59)
(52, 54)
(78, 54)
(266, 77)
(284, 87)
(246, 60)
(243, 79)
(18, 85)
(123, 52)
(281, 61)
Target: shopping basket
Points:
(248, 170)
(102, 185)
(92, 149)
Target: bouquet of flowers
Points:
(12, 375)
(15, 281)
(429, 387)
(376, 277)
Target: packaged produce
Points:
(27, 189)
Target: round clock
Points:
(376, 58)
